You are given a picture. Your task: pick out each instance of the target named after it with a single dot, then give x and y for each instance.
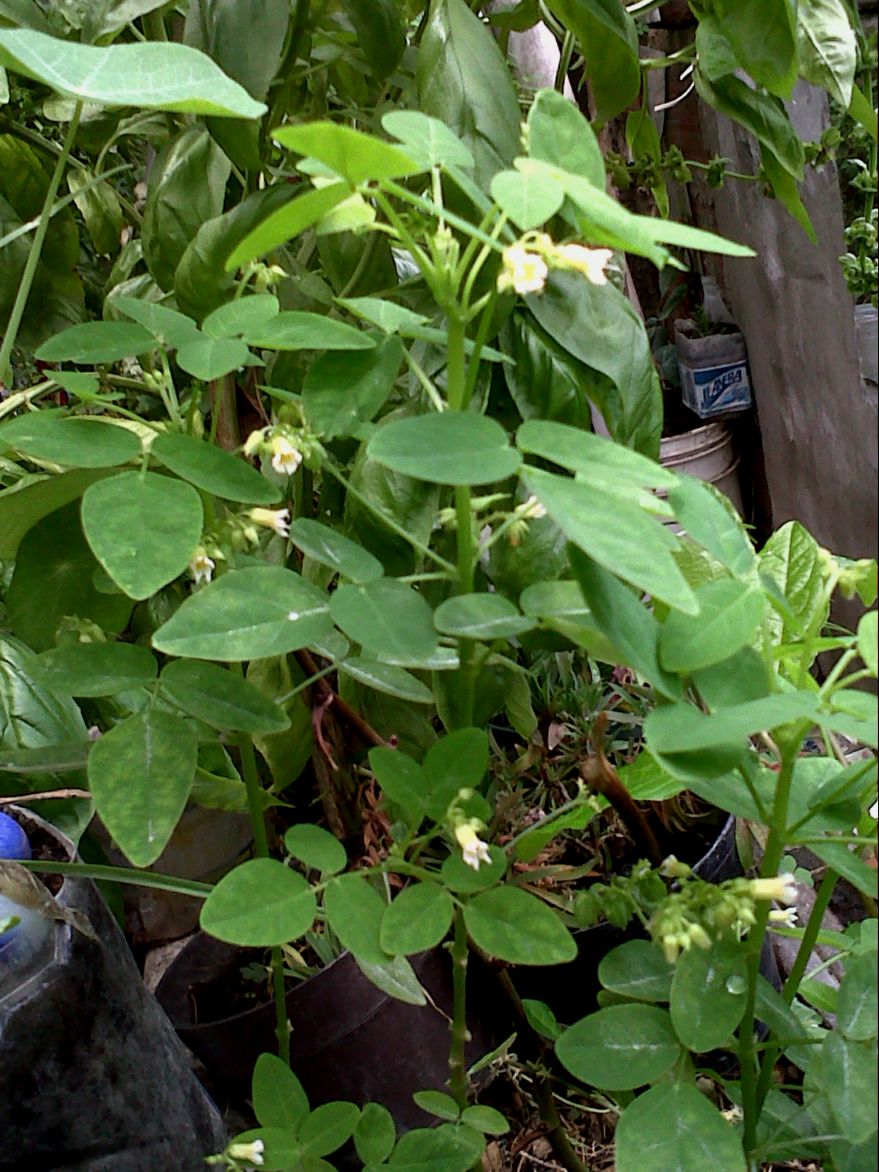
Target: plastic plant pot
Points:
(92, 1075)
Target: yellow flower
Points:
(285, 458)
(473, 850)
(275, 519)
(252, 1152)
(591, 262)
(782, 888)
(524, 271)
(201, 566)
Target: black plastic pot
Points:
(92, 1075)
(571, 989)
(350, 1040)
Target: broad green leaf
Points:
(187, 188)
(384, 677)
(562, 599)
(149, 75)
(375, 1134)
(354, 912)
(514, 926)
(53, 578)
(542, 1019)
(455, 762)
(559, 134)
(713, 51)
(863, 112)
(679, 728)
(210, 358)
(23, 505)
(396, 977)
(297, 330)
(261, 903)
(140, 774)
(143, 528)
(239, 318)
(674, 1126)
(446, 1148)
(763, 36)
(708, 994)
(531, 843)
(343, 390)
(607, 38)
(616, 533)
(784, 188)
(278, 1097)
(381, 33)
(868, 628)
(637, 969)
(220, 698)
(480, 616)
(166, 325)
(224, 30)
(526, 199)
(708, 519)
(99, 206)
(97, 341)
(439, 1104)
(286, 753)
(325, 545)
(387, 618)
(316, 848)
(792, 558)
(624, 620)
(856, 1007)
(34, 719)
(485, 1119)
(759, 113)
(213, 470)
(729, 614)
(351, 154)
(417, 919)
(96, 669)
(849, 864)
(327, 1128)
(849, 1075)
(450, 448)
(615, 345)
(461, 878)
(619, 1048)
(427, 139)
(743, 676)
(387, 315)
(283, 223)
(463, 80)
(686, 236)
(647, 781)
(252, 613)
(645, 146)
(401, 780)
(593, 455)
(72, 441)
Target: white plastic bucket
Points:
(708, 453)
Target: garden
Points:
(418, 750)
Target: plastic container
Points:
(714, 371)
(867, 334)
(708, 453)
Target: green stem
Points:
(457, 1055)
(261, 850)
(30, 268)
(798, 969)
(121, 875)
(567, 52)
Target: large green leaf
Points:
(252, 613)
(355, 910)
(517, 927)
(681, 728)
(96, 669)
(427, 139)
(674, 1126)
(607, 37)
(615, 344)
(259, 904)
(616, 533)
(526, 199)
(187, 188)
(325, 545)
(211, 358)
(620, 1048)
(224, 30)
(849, 1074)
(708, 518)
(638, 970)
(389, 619)
(729, 614)
(480, 616)
(149, 75)
(297, 330)
(283, 223)
(278, 1097)
(383, 677)
(54, 578)
(827, 47)
(26, 503)
(75, 442)
(237, 319)
(597, 458)
(166, 325)
(546, 381)
(454, 447)
(792, 559)
(220, 698)
(708, 994)
(758, 112)
(143, 528)
(559, 134)
(212, 469)
(417, 919)
(351, 154)
(344, 390)
(762, 34)
(140, 774)
(464, 80)
(97, 342)
(380, 32)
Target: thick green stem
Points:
(261, 850)
(457, 1055)
(30, 268)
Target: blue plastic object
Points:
(13, 840)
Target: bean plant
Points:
(296, 508)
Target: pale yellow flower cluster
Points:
(527, 263)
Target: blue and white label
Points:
(712, 389)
